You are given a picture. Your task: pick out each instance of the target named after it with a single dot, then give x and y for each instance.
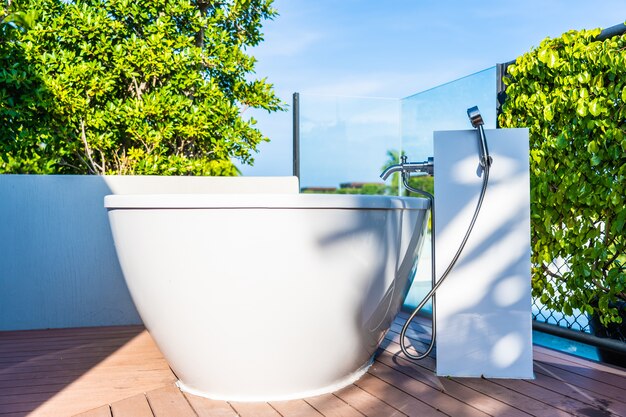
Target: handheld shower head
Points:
(477, 122)
(475, 118)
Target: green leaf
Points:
(595, 108)
(595, 160)
(548, 114)
(581, 108)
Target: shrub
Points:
(571, 93)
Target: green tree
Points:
(127, 87)
(571, 93)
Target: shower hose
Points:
(485, 163)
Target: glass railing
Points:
(344, 141)
(445, 108)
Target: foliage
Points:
(128, 87)
(571, 93)
(365, 189)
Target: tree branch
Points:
(83, 135)
(547, 271)
(204, 7)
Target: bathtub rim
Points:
(263, 201)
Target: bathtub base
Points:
(351, 378)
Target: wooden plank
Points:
(254, 409)
(103, 411)
(114, 359)
(30, 389)
(366, 403)
(206, 407)
(100, 379)
(26, 400)
(512, 398)
(587, 363)
(582, 382)
(332, 406)
(295, 408)
(589, 369)
(17, 408)
(570, 406)
(595, 400)
(28, 377)
(75, 349)
(169, 401)
(56, 342)
(400, 400)
(424, 392)
(19, 414)
(135, 406)
(450, 387)
(54, 336)
(69, 331)
(62, 373)
(45, 345)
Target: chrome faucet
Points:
(418, 168)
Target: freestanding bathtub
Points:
(254, 297)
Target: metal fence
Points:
(578, 321)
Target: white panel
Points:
(484, 307)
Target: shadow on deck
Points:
(118, 372)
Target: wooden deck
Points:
(119, 372)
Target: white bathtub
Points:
(267, 297)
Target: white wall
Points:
(58, 266)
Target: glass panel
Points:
(445, 108)
(344, 141)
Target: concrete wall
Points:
(58, 266)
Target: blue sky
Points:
(396, 48)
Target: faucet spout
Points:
(390, 170)
(416, 168)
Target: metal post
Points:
(500, 88)
(296, 134)
(616, 30)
